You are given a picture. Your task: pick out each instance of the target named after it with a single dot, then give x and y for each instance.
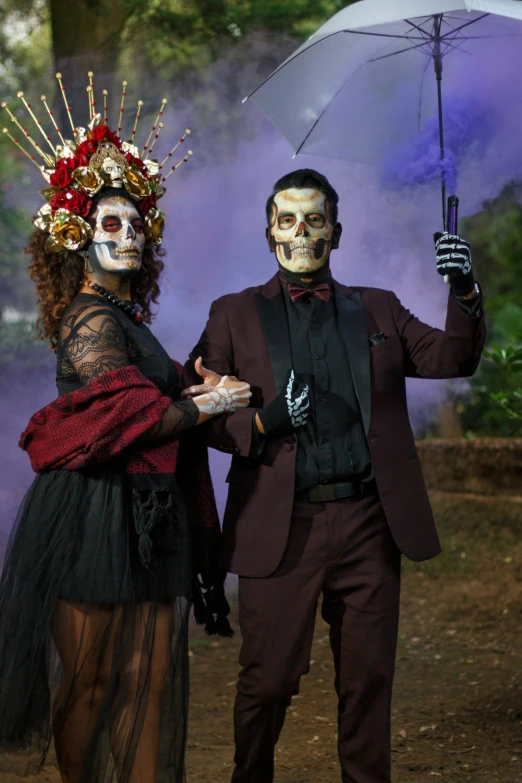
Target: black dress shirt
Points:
(332, 445)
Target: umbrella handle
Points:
(452, 220)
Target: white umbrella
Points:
(338, 94)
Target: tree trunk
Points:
(86, 37)
(450, 425)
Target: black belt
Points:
(322, 493)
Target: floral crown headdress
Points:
(97, 157)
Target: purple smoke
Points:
(215, 238)
(467, 131)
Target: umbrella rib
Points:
(400, 51)
(454, 47)
(298, 150)
(421, 91)
(386, 35)
(291, 59)
(315, 43)
(466, 24)
(425, 33)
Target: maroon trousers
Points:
(345, 550)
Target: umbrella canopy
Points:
(365, 81)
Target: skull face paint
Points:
(301, 229)
(118, 238)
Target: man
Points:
(325, 486)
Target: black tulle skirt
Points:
(93, 644)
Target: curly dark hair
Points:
(60, 276)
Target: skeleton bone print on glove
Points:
(453, 255)
(223, 400)
(297, 406)
(289, 410)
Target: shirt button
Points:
(317, 356)
(325, 440)
(321, 399)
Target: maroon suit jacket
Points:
(247, 335)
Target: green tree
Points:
(495, 234)
(492, 405)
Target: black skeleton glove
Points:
(289, 410)
(454, 260)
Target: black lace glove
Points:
(289, 410)
(454, 260)
(211, 607)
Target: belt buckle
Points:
(323, 492)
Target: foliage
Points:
(495, 234)
(493, 404)
(509, 360)
(193, 33)
(25, 43)
(14, 221)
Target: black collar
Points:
(322, 275)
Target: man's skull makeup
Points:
(301, 229)
(118, 238)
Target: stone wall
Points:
(483, 466)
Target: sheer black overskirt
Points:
(74, 545)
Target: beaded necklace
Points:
(130, 309)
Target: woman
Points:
(97, 584)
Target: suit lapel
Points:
(274, 320)
(352, 323)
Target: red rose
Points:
(135, 162)
(87, 147)
(65, 163)
(81, 160)
(147, 203)
(61, 177)
(98, 133)
(74, 201)
(102, 133)
(110, 136)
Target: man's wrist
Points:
(259, 424)
(472, 294)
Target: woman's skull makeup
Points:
(118, 238)
(301, 229)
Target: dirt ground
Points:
(457, 710)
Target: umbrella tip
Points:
(294, 155)
(245, 100)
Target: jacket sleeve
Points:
(454, 352)
(231, 433)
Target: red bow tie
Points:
(320, 291)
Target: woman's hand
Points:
(227, 394)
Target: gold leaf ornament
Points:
(66, 150)
(44, 217)
(154, 226)
(80, 135)
(128, 147)
(136, 185)
(88, 179)
(48, 193)
(67, 232)
(152, 167)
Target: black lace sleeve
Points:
(180, 416)
(93, 342)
